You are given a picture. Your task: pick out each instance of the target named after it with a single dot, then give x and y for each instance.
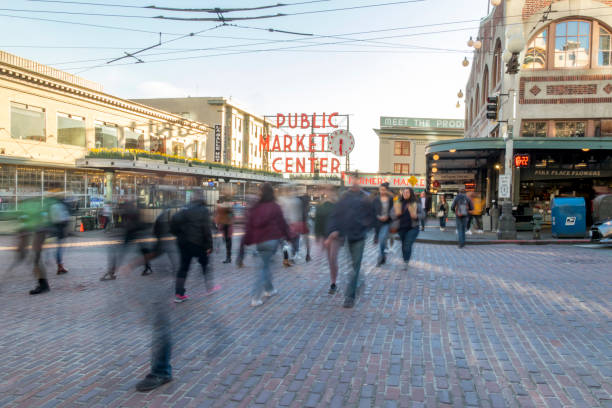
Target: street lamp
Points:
(496, 3)
(458, 105)
(511, 56)
(465, 62)
(460, 94)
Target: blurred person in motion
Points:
(152, 295)
(350, 219)
(475, 214)
(442, 213)
(291, 206)
(251, 199)
(265, 227)
(59, 216)
(423, 209)
(224, 216)
(461, 206)
(33, 225)
(106, 217)
(132, 228)
(302, 228)
(383, 206)
(407, 209)
(192, 228)
(323, 211)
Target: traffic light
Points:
(492, 107)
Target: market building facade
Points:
(553, 131)
(61, 134)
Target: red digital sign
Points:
(521, 160)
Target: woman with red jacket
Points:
(265, 227)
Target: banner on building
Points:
(375, 180)
(217, 143)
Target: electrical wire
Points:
(167, 8)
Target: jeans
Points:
(60, 233)
(161, 349)
(443, 222)
(332, 258)
(462, 223)
(478, 221)
(408, 237)
(263, 280)
(226, 229)
(423, 220)
(356, 251)
(383, 234)
(189, 251)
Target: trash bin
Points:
(568, 217)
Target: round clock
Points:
(341, 142)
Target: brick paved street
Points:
(491, 326)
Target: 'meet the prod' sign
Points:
(421, 123)
(305, 136)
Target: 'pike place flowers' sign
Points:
(320, 134)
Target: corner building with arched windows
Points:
(556, 109)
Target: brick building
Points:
(557, 109)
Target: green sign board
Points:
(421, 123)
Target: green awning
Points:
(575, 143)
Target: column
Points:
(109, 181)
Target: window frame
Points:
(551, 46)
(401, 166)
(74, 118)
(403, 146)
(28, 108)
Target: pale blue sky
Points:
(384, 78)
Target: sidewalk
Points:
(433, 235)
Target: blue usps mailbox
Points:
(568, 217)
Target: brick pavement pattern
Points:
(490, 326)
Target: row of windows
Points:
(564, 44)
(28, 123)
(567, 128)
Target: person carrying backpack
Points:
(462, 206)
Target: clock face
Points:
(341, 142)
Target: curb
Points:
(508, 241)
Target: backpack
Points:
(462, 208)
(58, 213)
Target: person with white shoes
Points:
(442, 212)
(265, 227)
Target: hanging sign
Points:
(217, 143)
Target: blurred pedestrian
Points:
(407, 209)
(423, 209)
(461, 206)
(192, 227)
(265, 227)
(107, 216)
(59, 216)
(476, 213)
(251, 199)
(323, 211)
(132, 228)
(303, 225)
(383, 205)
(351, 218)
(291, 206)
(442, 212)
(224, 219)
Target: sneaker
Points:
(147, 271)
(286, 263)
(108, 276)
(180, 298)
(256, 302)
(348, 303)
(239, 263)
(227, 260)
(213, 289)
(308, 258)
(480, 232)
(381, 261)
(332, 289)
(270, 293)
(40, 289)
(61, 270)
(468, 232)
(151, 381)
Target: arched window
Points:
(570, 43)
(485, 85)
(497, 65)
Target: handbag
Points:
(395, 224)
(440, 214)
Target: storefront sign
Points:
(217, 143)
(454, 176)
(521, 160)
(310, 141)
(552, 174)
(422, 123)
(375, 180)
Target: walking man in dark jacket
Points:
(462, 206)
(383, 206)
(351, 219)
(194, 238)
